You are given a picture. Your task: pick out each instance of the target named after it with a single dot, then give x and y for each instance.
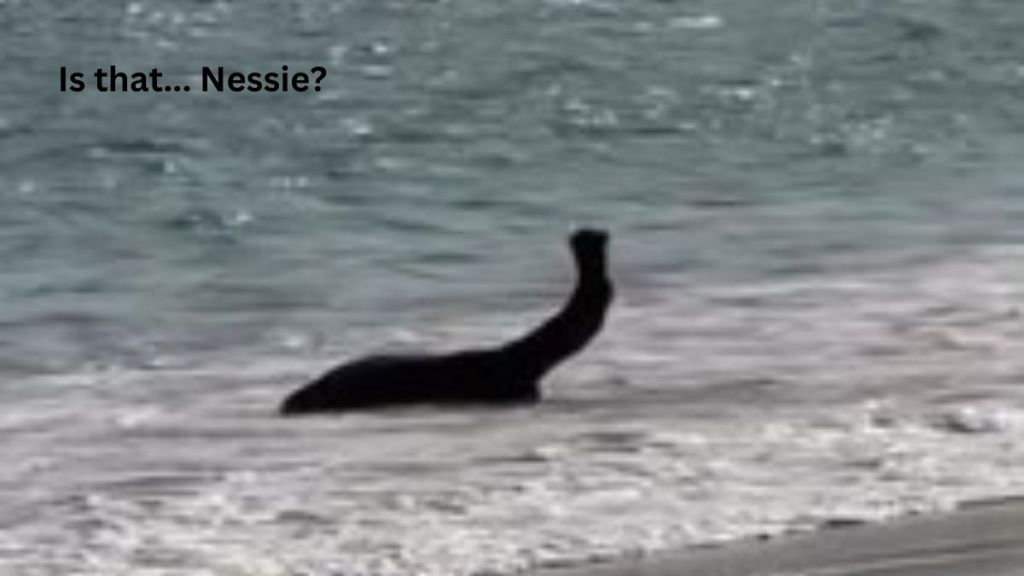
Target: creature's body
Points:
(502, 375)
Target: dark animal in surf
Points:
(507, 374)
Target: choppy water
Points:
(817, 215)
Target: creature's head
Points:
(588, 247)
(589, 243)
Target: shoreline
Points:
(979, 538)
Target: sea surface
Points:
(817, 212)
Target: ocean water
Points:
(817, 211)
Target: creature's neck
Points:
(571, 328)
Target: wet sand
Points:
(985, 539)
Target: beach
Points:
(983, 539)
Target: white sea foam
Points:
(708, 416)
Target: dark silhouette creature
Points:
(506, 374)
